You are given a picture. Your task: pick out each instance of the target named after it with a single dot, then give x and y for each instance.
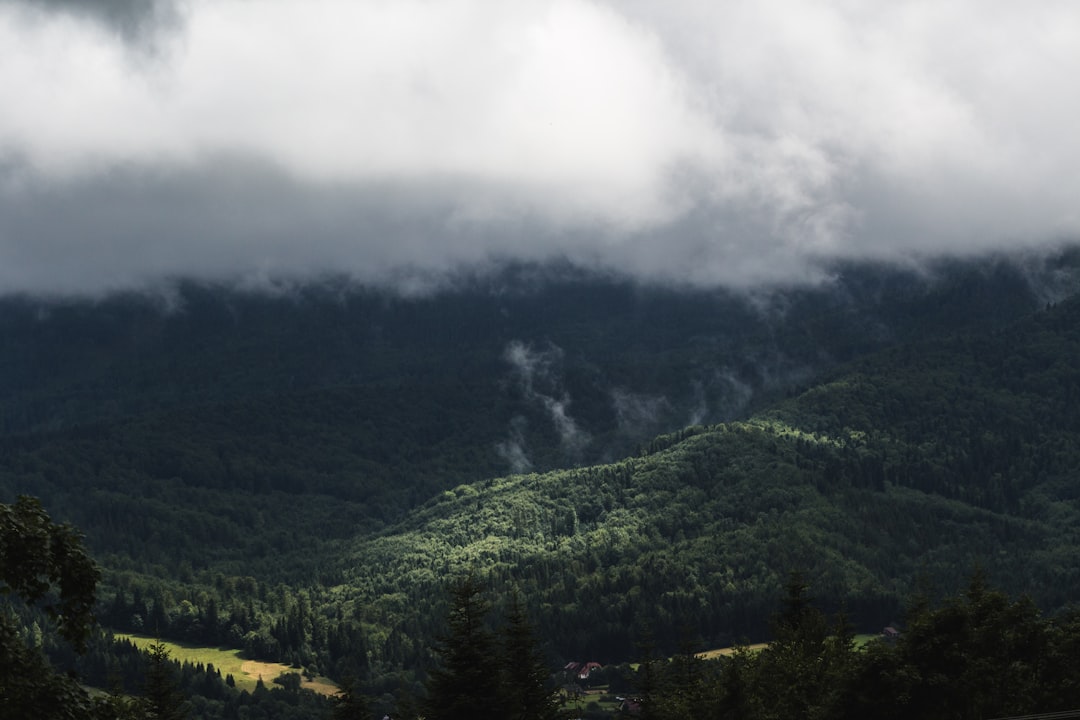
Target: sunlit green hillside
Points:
(316, 519)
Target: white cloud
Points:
(565, 105)
(701, 141)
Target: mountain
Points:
(314, 464)
(71, 362)
(927, 460)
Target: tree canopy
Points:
(42, 564)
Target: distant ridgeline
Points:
(301, 473)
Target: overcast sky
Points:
(729, 142)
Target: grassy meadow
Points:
(229, 661)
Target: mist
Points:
(537, 372)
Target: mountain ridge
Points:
(366, 499)
(859, 497)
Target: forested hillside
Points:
(928, 460)
(376, 402)
(300, 475)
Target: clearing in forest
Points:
(228, 661)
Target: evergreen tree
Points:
(684, 684)
(117, 706)
(467, 685)
(162, 697)
(737, 698)
(527, 694)
(791, 677)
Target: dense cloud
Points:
(701, 142)
(136, 22)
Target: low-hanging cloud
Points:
(538, 374)
(638, 414)
(514, 448)
(733, 143)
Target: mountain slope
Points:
(217, 459)
(925, 460)
(66, 363)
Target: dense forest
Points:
(976, 654)
(303, 475)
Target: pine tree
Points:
(162, 697)
(526, 692)
(467, 685)
(791, 670)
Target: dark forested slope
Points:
(926, 460)
(356, 446)
(69, 362)
(241, 426)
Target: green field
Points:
(860, 640)
(229, 661)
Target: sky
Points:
(403, 142)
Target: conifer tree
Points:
(162, 697)
(467, 685)
(526, 691)
(790, 670)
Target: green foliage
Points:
(49, 581)
(920, 460)
(162, 697)
(480, 673)
(38, 556)
(526, 687)
(469, 672)
(351, 704)
(41, 563)
(884, 486)
(977, 655)
(298, 476)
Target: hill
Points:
(300, 474)
(928, 460)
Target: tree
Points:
(648, 683)
(525, 688)
(350, 703)
(162, 697)
(38, 556)
(467, 685)
(791, 672)
(684, 692)
(43, 564)
(980, 655)
(118, 706)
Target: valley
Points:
(301, 477)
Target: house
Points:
(581, 670)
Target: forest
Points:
(976, 654)
(636, 471)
